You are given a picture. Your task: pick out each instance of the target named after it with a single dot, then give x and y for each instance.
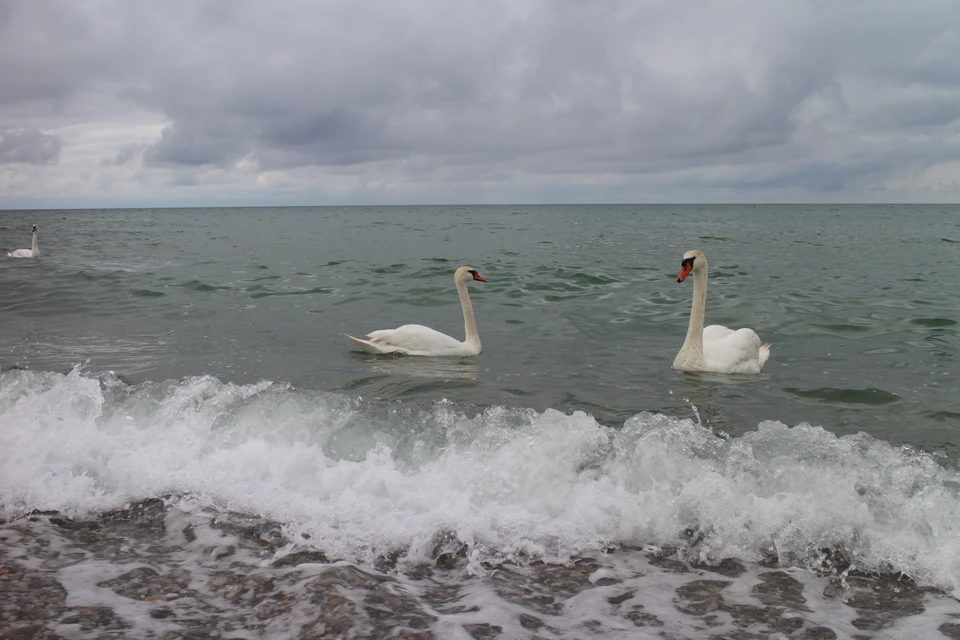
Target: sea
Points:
(191, 448)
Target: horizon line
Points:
(517, 204)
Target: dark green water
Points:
(581, 311)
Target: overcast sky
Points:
(313, 102)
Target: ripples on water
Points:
(581, 303)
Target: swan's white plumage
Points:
(715, 348)
(33, 252)
(413, 340)
(418, 340)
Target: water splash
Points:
(361, 480)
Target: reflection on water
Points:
(420, 366)
(708, 379)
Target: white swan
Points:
(32, 252)
(715, 348)
(418, 340)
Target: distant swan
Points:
(32, 252)
(418, 340)
(715, 348)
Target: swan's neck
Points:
(693, 344)
(469, 322)
(34, 247)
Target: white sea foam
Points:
(362, 478)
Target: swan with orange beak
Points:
(418, 340)
(715, 348)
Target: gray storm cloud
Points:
(809, 95)
(28, 146)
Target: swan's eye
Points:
(688, 261)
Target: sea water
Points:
(188, 444)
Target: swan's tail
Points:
(764, 354)
(370, 347)
(363, 344)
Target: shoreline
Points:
(150, 571)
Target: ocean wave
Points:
(361, 479)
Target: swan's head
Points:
(34, 228)
(692, 261)
(467, 273)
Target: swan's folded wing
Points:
(715, 332)
(738, 352)
(415, 338)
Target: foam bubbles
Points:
(361, 479)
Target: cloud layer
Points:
(253, 102)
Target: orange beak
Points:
(477, 276)
(685, 271)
